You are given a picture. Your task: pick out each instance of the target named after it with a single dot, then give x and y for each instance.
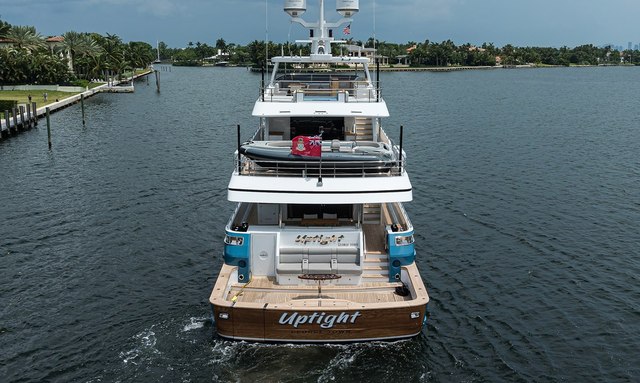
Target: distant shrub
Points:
(80, 83)
(8, 105)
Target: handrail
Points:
(329, 169)
(288, 89)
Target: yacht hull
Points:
(305, 318)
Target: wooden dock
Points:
(24, 118)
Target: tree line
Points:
(418, 54)
(27, 57)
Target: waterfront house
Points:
(370, 53)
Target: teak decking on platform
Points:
(265, 290)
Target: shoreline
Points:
(455, 68)
(53, 107)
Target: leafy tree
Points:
(164, 50)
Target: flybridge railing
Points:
(328, 169)
(335, 91)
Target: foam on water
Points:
(144, 348)
(195, 323)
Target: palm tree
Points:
(4, 28)
(222, 45)
(79, 45)
(26, 38)
(139, 54)
(72, 43)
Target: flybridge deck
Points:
(322, 86)
(320, 247)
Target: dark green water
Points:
(526, 208)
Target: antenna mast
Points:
(320, 39)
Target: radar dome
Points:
(295, 8)
(347, 8)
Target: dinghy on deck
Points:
(338, 154)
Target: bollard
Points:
(48, 127)
(82, 104)
(35, 113)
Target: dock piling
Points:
(48, 127)
(7, 121)
(29, 121)
(14, 113)
(82, 105)
(157, 81)
(21, 111)
(35, 113)
(5, 133)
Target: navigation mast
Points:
(320, 37)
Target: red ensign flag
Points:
(306, 146)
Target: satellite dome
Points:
(295, 8)
(347, 8)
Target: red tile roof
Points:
(55, 39)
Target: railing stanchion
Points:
(262, 84)
(401, 134)
(378, 79)
(239, 163)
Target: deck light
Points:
(404, 240)
(233, 241)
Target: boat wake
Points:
(195, 323)
(145, 345)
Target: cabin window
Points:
(320, 211)
(332, 128)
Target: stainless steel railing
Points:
(328, 169)
(297, 91)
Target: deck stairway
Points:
(371, 214)
(375, 267)
(364, 129)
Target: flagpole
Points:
(374, 26)
(266, 32)
(319, 184)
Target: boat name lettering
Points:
(325, 321)
(321, 239)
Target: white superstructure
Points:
(319, 189)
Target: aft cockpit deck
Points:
(266, 290)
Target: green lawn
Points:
(22, 96)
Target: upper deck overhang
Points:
(320, 109)
(320, 59)
(305, 190)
